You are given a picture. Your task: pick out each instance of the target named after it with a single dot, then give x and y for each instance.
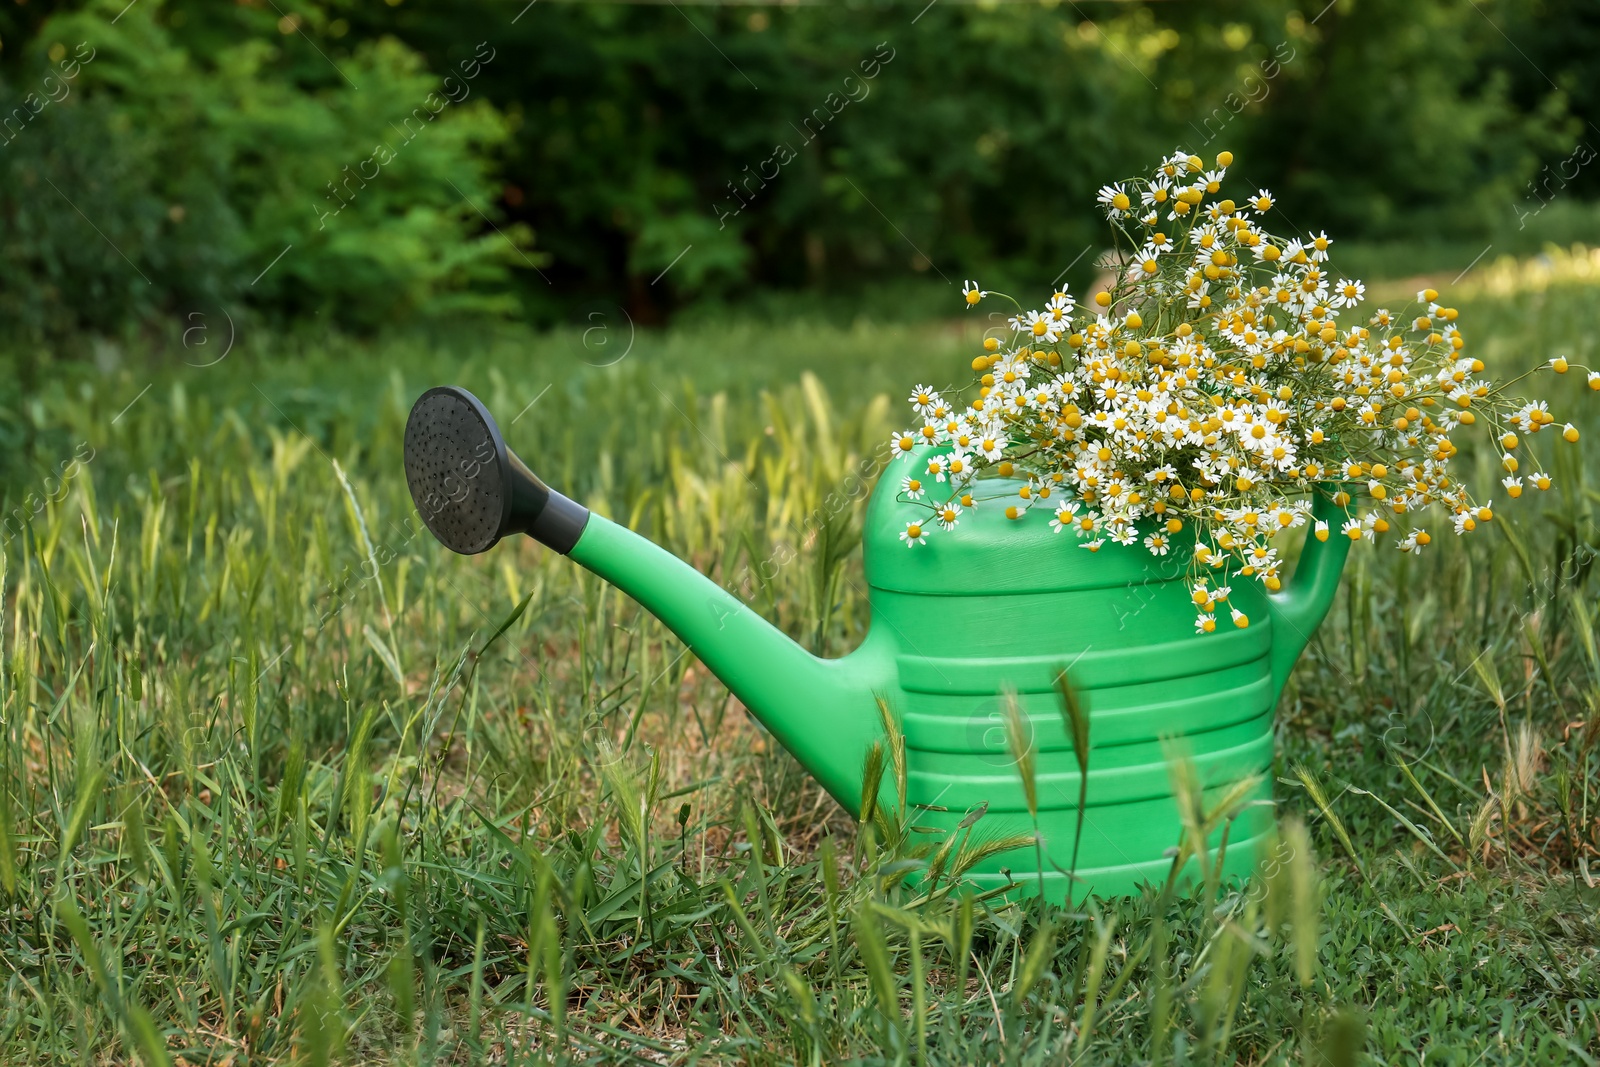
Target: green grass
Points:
(281, 780)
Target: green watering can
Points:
(996, 606)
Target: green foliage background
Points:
(658, 154)
(185, 156)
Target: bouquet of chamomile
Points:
(1225, 374)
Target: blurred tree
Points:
(194, 163)
(1551, 50)
(361, 161)
(1399, 123)
(640, 131)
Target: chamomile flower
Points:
(912, 488)
(1041, 327)
(1410, 543)
(1205, 623)
(972, 293)
(914, 535)
(1115, 200)
(1147, 259)
(961, 437)
(992, 445)
(924, 399)
(1348, 293)
(1065, 516)
(948, 515)
(1530, 417)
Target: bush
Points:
(168, 178)
(640, 129)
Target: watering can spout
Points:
(471, 490)
(821, 710)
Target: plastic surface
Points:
(999, 606)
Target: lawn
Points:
(283, 780)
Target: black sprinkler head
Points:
(470, 489)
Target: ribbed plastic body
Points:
(1000, 605)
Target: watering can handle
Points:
(1300, 608)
